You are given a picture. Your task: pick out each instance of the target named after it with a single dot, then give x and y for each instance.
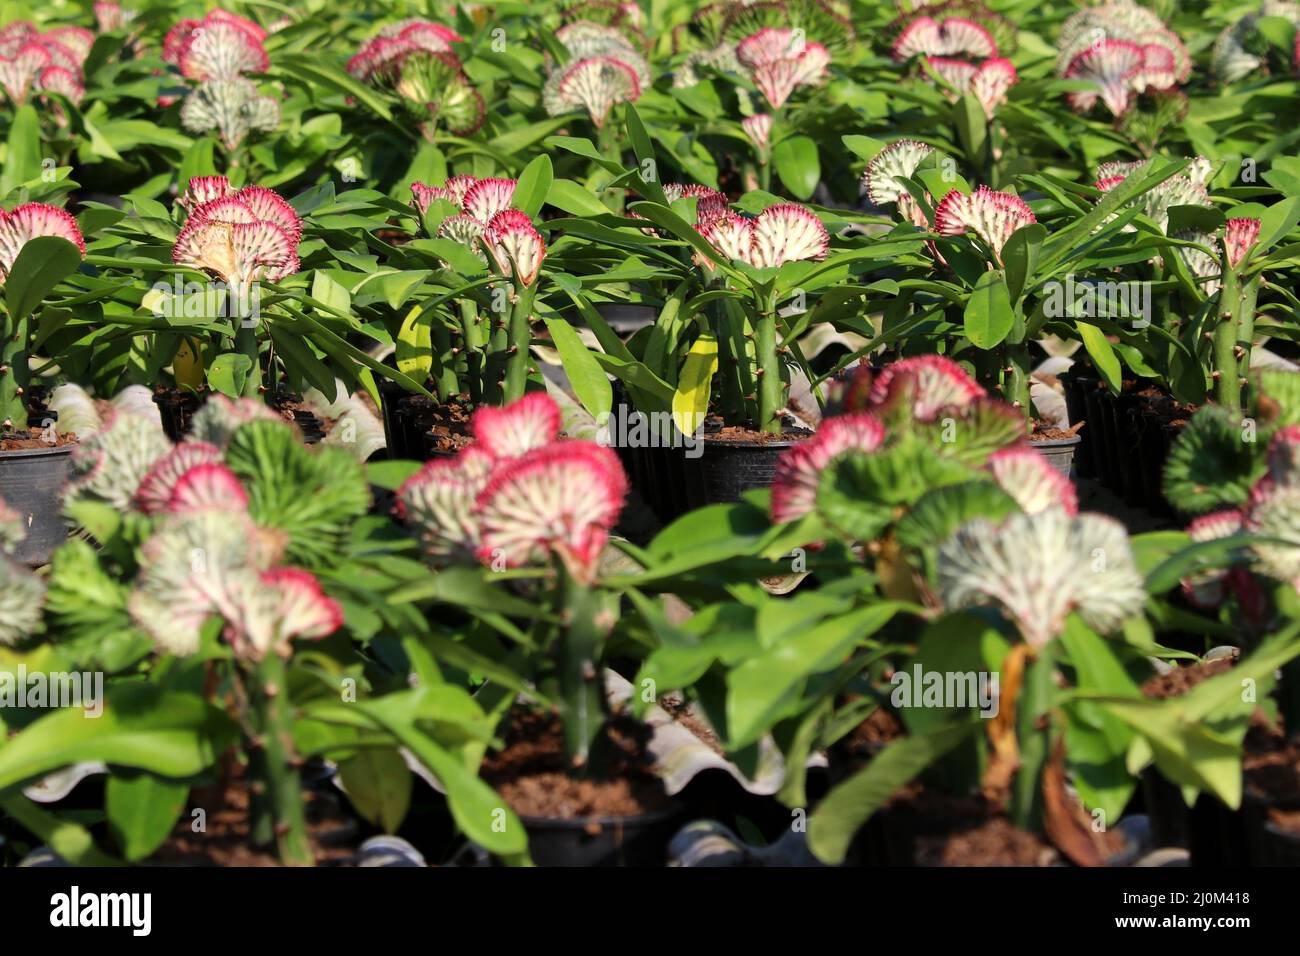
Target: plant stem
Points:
(246, 342)
(581, 686)
(520, 334)
(471, 330)
(770, 392)
(15, 374)
(1227, 387)
(1246, 325)
(284, 790)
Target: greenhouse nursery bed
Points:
(755, 435)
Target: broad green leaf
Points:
(798, 165)
(694, 385)
(378, 783)
(590, 383)
(1102, 355)
(42, 264)
(142, 808)
(534, 185)
(988, 318)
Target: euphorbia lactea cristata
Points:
(781, 233)
(415, 59)
(518, 496)
(781, 60)
(1125, 50)
(603, 68)
(1242, 49)
(992, 215)
(989, 82)
(220, 46)
(29, 221)
(944, 37)
(32, 61)
(884, 174)
(241, 237)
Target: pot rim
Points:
(1057, 442)
(66, 449)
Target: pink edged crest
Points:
(203, 189)
(1026, 476)
(78, 40)
(453, 190)
(439, 499)
(18, 72)
(935, 383)
(487, 197)
(219, 49)
(799, 469)
(1239, 237)
(1159, 69)
(953, 36)
(380, 59)
(900, 159)
(768, 46)
(305, 610)
(562, 499)
(430, 36)
(956, 73)
(787, 233)
(1109, 183)
(1112, 65)
(30, 221)
(177, 37)
(155, 490)
(254, 30)
(515, 244)
(596, 84)
(109, 16)
(61, 55)
(531, 422)
(758, 128)
(990, 214)
(991, 83)
(709, 203)
(732, 233)
(270, 206)
(208, 486)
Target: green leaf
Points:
(413, 348)
(589, 381)
(42, 264)
(1102, 355)
(142, 808)
(1020, 256)
(988, 318)
(228, 372)
(534, 185)
(165, 732)
(378, 783)
(798, 165)
(572, 198)
(23, 152)
(316, 71)
(843, 811)
(694, 385)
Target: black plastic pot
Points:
(601, 841)
(1059, 452)
(31, 483)
(176, 408)
(1101, 429)
(1077, 407)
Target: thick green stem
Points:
(771, 397)
(1246, 326)
(15, 374)
(246, 344)
(1017, 381)
(471, 331)
(581, 686)
(283, 788)
(520, 336)
(1227, 384)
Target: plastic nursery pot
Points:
(1213, 834)
(1059, 452)
(390, 397)
(1102, 426)
(601, 841)
(31, 483)
(1077, 407)
(176, 407)
(1127, 453)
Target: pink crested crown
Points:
(30, 221)
(1026, 476)
(515, 245)
(758, 128)
(155, 489)
(487, 197)
(596, 83)
(932, 382)
(709, 203)
(990, 214)
(900, 159)
(561, 499)
(207, 486)
(787, 232)
(531, 422)
(799, 469)
(305, 610)
(1112, 65)
(1239, 237)
(203, 189)
(953, 36)
(731, 233)
(220, 49)
(57, 79)
(241, 237)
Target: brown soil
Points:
(226, 841)
(35, 438)
(963, 831)
(1182, 679)
(739, 435)
(1050, 433)
(448, 427)
(532, 775)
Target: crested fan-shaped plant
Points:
(477, 215)
(415, 59)
(40, 245)
(522, 498)
(1250, 47)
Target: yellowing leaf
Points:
(691, 400)
(414, 347)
